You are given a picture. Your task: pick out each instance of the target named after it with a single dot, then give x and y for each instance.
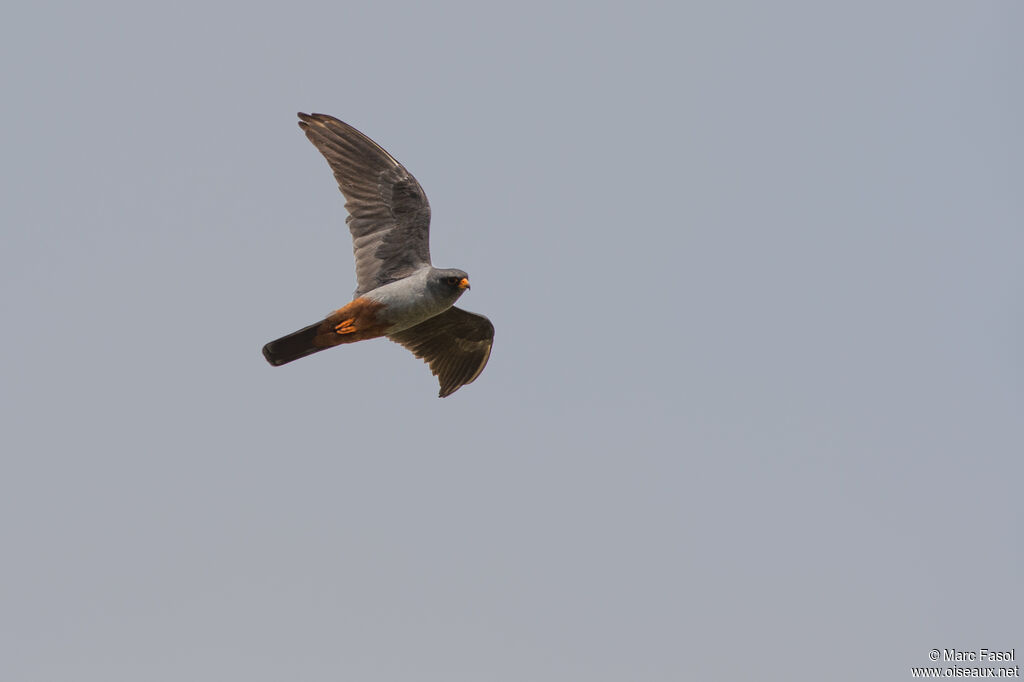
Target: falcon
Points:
(399, 294)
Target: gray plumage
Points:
(399, 293)
(456, 344)
(388, 212)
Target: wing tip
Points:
(454, 384)
(305, 120)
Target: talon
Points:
(345, 327)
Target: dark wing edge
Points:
(456, 344)
(389, 215)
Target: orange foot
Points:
(346, 326)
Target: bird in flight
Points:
(399, 294)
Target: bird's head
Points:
(450, 283)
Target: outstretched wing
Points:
(388, 211)
(456, 344)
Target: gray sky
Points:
(754, 407)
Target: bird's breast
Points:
(406, 303)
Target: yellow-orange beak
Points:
(464, 283)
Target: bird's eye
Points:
(453, 281)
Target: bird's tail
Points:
(355, 322)
(296, 345)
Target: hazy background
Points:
(755, 403)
